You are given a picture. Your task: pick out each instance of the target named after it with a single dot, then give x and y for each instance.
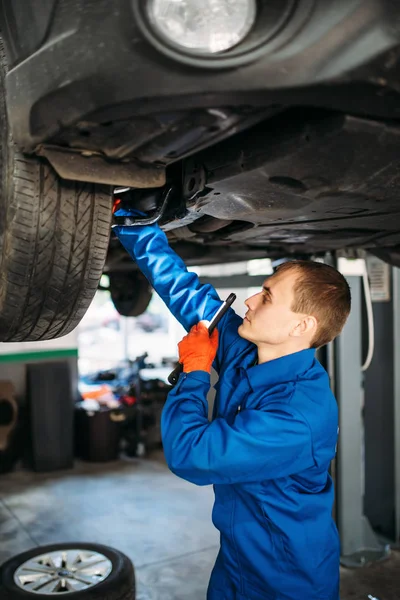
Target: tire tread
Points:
(55, 243)
(54, 237)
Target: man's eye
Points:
(265, 298)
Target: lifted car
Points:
(246, 128)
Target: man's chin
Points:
(242, 332)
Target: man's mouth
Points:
(246, 318)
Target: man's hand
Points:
(197, 350)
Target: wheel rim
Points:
(62, 572)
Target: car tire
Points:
(130, 293)
(54, 238)
(115, 574)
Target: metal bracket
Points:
(131, 221)
(94, 168)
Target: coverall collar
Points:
(280, 370)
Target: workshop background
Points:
(80, 446)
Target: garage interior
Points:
(124, 496)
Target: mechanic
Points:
(274, 430)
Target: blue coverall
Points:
(267, 450)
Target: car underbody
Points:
(304, 182)
(285, 146)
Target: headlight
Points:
(220, 34)
(202, 26)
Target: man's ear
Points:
(306, 326)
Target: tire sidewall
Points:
(6, 151)
(118, 584)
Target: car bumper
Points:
(92, 63)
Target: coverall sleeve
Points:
(258, 445)
(187, 299)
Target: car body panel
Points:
(94, 63)
(292, 150)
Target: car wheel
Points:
(54, 238)
(75, 571)
(130, 293)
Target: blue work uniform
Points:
(267, 449)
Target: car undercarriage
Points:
(284, 144)
(307, 181)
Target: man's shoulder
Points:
(314, 400)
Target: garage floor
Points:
(161, 522)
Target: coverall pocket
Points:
(281, 554)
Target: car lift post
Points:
(359, 544)
(396, 370)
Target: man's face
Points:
(269, 318)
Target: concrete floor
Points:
(161, 522)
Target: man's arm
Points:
(187, 299)
(259, 445)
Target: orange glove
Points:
(197, 350)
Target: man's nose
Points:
(250, 301)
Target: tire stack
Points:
(10, 446)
